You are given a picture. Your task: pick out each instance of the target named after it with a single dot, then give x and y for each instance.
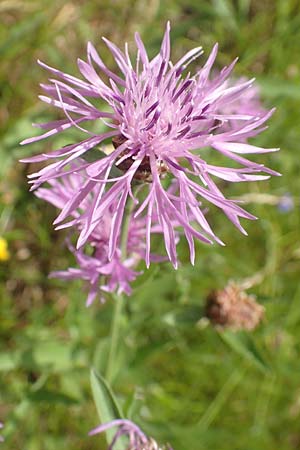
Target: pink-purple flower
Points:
(163, 122)
(137, 440)
(101, 273)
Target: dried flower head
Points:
(233, 308)
(163, 121)
(137, 440)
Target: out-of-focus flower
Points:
(162, 122)
(137, 440)
(233, 308)
(286, 203)
(1, 437)
(102, 274)
(249, 104)
(4, 252)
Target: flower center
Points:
(143, 172)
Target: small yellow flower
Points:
(4, 253)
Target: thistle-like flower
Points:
(162, 122)
(94, 267)
(137, 440)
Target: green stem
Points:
(118, 300)
(114, 336)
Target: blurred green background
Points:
(182, 380)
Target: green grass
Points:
(177, 376)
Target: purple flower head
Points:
(162, 121)
(137, 440)
(102, 274)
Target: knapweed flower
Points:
(162, 121)
(94, 266)
(137, 440)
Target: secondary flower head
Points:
(137, 440)
(162, 121)
(94, 266)
(248, 104)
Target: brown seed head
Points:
(233, 308)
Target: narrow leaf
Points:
(106, 404)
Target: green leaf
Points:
(106, 404)
(243, 344)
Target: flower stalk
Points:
(116, 325)
(114, 336)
